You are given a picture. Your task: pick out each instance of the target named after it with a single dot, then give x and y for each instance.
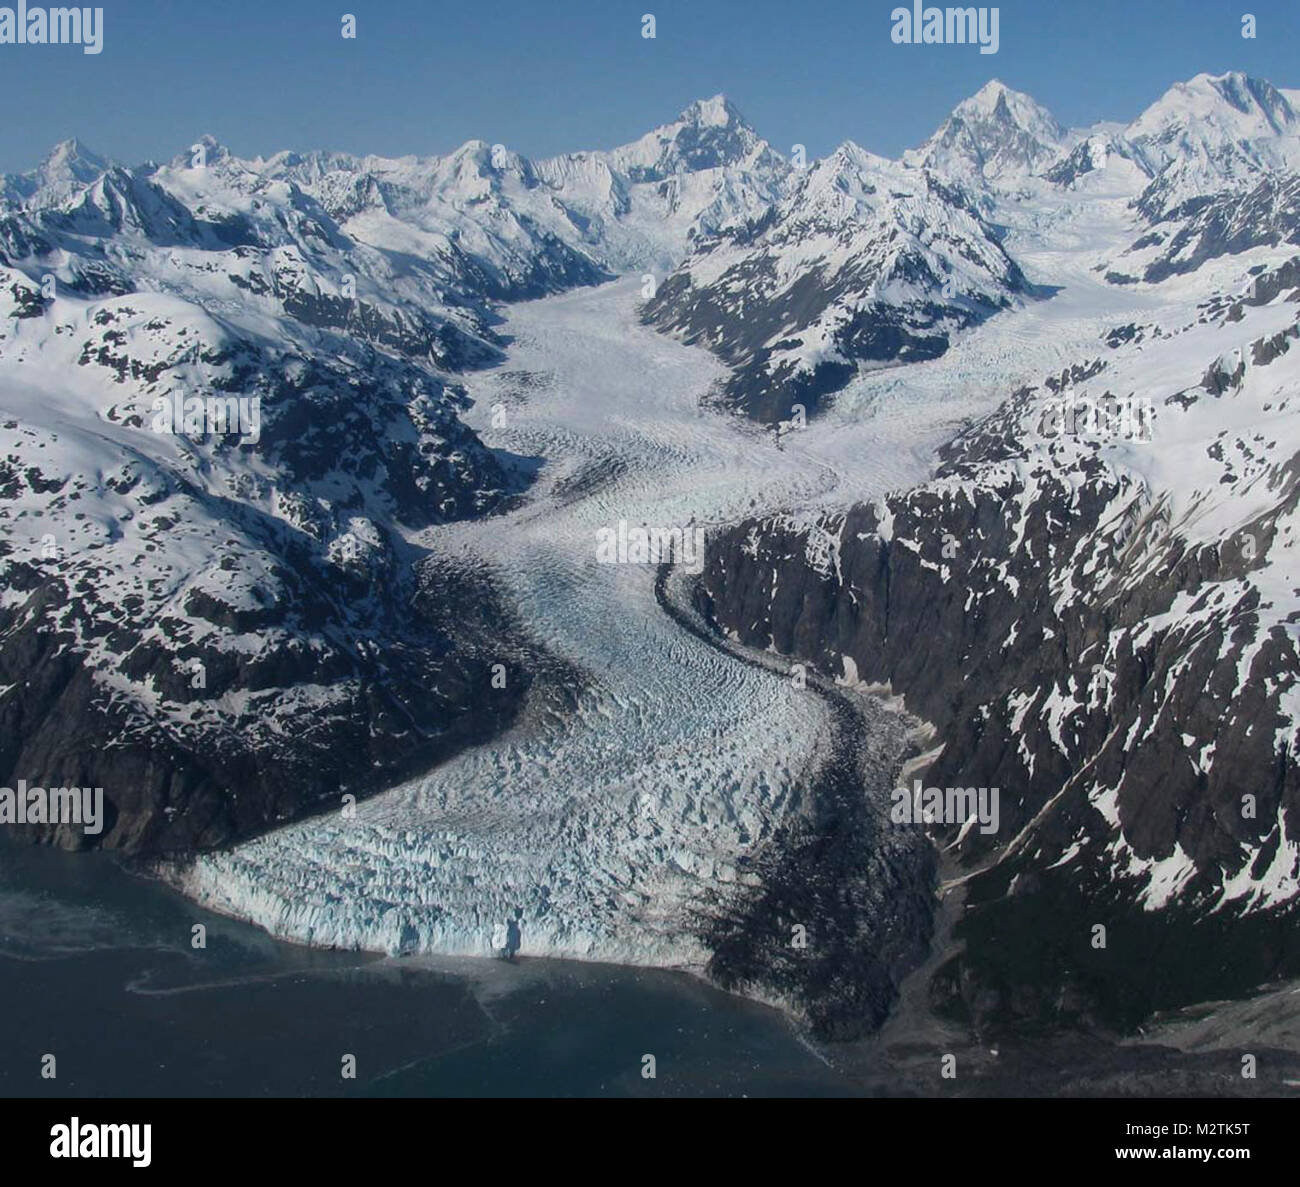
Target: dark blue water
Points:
(97, 968)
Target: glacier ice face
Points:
(594, 830)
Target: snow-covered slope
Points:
(206, 605)
(1268, 215)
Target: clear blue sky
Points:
(552, 75)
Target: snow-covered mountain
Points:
(635, 206)
(1209, 135)
(864, 262)
(647, 202)
(68, 169)
(1231, 223)
(1203, 137)
(997, 135)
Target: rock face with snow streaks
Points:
(1101, 623)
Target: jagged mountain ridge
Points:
(489, 224)
(747, 291)
(865, 262)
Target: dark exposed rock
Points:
(407, 670)
(1268, 215)
(1088, 712)
(860, 890)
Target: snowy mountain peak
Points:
(1009, 109)
(1233, 103)
(213, 151)
(989, 94)
(996, 97)
(715, 112)
(709, 134)
(472, 159)
(74, 157)
(853, 171)
(70, 166)
(850, 154)
(67, 169)
(1211, 134)
(995, 133)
